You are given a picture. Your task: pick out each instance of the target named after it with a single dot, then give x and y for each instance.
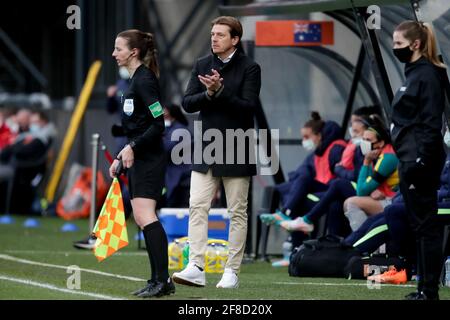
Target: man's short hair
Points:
(234, 24)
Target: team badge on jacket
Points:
(128, 107)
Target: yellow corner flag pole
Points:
(72, 130)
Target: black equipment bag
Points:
(322, 257)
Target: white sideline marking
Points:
(344, 284)
(52, 287)
(11, 258)
(68, 253)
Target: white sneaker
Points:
(190, 276)
(229, 280)
(297, 224)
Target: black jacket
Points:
(232, 108)
(417, 111)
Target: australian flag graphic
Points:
(307, 32)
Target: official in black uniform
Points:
(143, 124)
(417, 111)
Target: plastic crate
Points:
(176, 222)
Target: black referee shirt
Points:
(142, 119)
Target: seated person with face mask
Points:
(27, 157)
(352, 158)
(377, 184)
(346, 170)
(378, 179)
(31, 146)
(323, 140)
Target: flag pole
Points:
(95, 144)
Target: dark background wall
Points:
(40, 32)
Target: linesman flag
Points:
(110, 228)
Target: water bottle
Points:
(447, 272)
(175, 255)
(287, 249)
(211, 258)
(181, 256)
(186, 254)
(222, 257)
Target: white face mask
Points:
(123, 73)
(357, 141)
(34, 128)
(447, 138)
(350, 132)
(366, 147)
(308, 144)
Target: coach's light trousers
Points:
(203, 188)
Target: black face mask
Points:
(403, 54)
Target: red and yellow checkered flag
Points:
(111, 229)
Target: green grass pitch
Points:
(34, 261)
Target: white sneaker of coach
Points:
(229, 280)
(190, 276)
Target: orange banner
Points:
(294, 33)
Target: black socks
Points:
(156, 242)
(153, 276)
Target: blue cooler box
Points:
(176, 222)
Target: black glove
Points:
(117, 131)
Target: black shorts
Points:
(146, 176)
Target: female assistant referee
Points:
(144, 156)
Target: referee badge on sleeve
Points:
(156, 109)
(128, 107)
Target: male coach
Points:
(224, 87)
